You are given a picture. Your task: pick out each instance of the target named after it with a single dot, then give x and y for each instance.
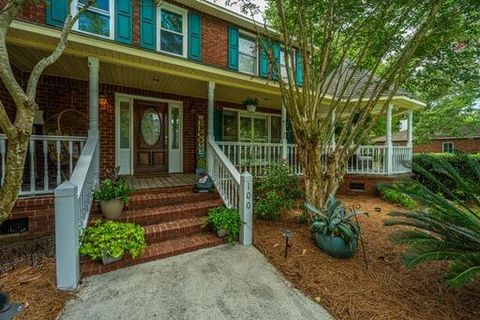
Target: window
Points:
(247, 54)
(283, 64)
(276, 129)
(97, 20)
(172, 31)
(230, 129)
(253, 128)
(448, 147)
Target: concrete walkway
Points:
(226, 282)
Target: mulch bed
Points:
(34, 287)
(387, 290)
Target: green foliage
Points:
(275, 192)
(303, 217)
(393, 196)
(428, 162)
(335, 220)
(112, 238)
(449, 229)
(110, 189)
(250, 101)
(222, 218)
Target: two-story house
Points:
(156, 90)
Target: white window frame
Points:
(284, 65)
(243, 113)
(252, 36)
(74, 6)
(448, 143)
(184, 14)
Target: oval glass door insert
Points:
(150, 127)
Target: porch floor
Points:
(139, 182)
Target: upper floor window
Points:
(283, 65)
(448, 147)
(98, 19)
(247, 54)
(173, 29)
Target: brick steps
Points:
(174, 229)
(173, 220)
(155, 252)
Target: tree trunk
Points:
(16, 153)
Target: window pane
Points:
(175, 128)
(150, 127)
(124, 125)
(171, 21)
(247, 45)
(100, 4)
(171, 42)
(247, 64)
(229, 126)
(260, 129)
(276, 129)
(246, 133)
(95, 23)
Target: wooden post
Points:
(246, 204)
(389, 143)
(210, 124)
(93, 131)
(284, 133)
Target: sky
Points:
(236, 8)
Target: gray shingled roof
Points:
(357, 84)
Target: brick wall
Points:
(466, 145)
(369, 183)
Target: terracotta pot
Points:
(112, 209)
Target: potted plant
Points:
(225, 222)
(333, 228)
(113, 195)
(110, 240)
(251, 104)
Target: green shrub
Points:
(449, 229)
(430, 162)
(113, 189)
(393, 196)
(269, 206)
(112, 238)
(304, 217)
(222, 218)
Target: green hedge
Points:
(455, 160)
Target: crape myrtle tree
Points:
(19, 131)
(355, 56)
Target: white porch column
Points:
(389, 143)
(284, 133)
(410, 129)
(210, 124)
(93, 72)
(332, 124)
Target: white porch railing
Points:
(255, 157)
(50, 160)
(235, 189)
(73, 199)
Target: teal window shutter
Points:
(194, 36)
(123, 21)
(298, 68)
(233, 48)
(217, 124)
(56, 12)
(276, 54)
(263, 64)
(147, 24)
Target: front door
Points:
(151, 137)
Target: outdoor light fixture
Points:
(102, 99)
(8, 310)
(287, 234)
(378, 209)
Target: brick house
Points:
(158, 92)
(466, 139)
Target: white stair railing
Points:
(235, 189)
(73, 200)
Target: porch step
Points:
(165, 213)
(174, 229)
(154, 252)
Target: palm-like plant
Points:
(446, 229)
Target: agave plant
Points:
(447, 228)
(336, 220)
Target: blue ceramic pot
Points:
(335, 246)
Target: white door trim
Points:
(175, 157)
(130, 97)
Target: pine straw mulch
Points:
(387, 290)
(35, 288)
